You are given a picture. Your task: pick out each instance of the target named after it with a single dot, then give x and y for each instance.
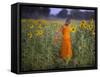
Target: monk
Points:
(66, 49)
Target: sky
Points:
(55, 11)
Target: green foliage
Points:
(39, 51)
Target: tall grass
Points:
(39, 51)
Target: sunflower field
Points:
(40, 49)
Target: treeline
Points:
(34, 12)
(76, 14)
(40, 12)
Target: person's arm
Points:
(56, 36)
(61, 29)
(70, 28)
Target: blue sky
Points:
(55, 11)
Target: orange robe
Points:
(66, 49)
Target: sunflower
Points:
(90, 27)
(32, 26)
(73, 29)
(39, 32)
(41, 21)
(92, 22)
(40, 26)
(83, 24)
(29, 34)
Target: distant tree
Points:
(45, 12)
(62, 14)
(77, 14)
(34, 12)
